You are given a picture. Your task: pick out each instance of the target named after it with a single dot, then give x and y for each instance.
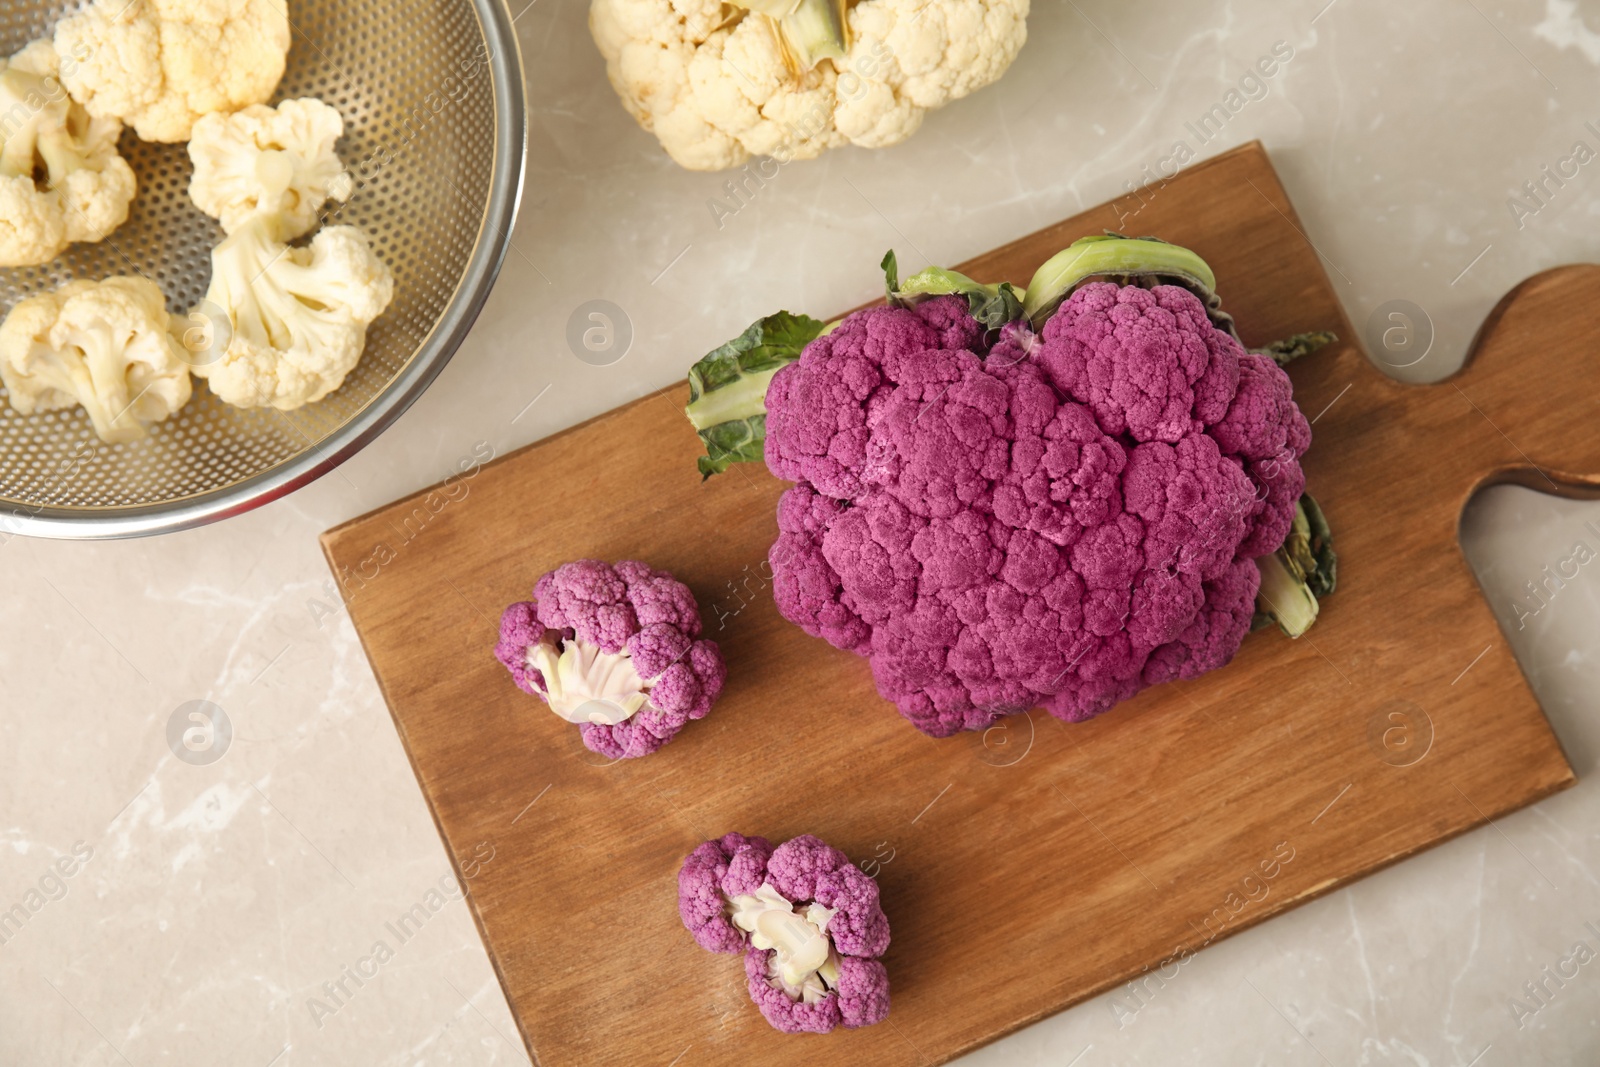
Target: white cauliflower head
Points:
(278, 159)
(159, 65)
(720, 82)
(106, 346)
(61, 179)
(283, 326)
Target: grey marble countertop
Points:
(208, 905)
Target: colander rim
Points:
(449, 332)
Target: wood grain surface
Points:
(1033, 866)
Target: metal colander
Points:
(435, 128)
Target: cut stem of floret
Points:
(275, 171)
(808, 31)
(584, 684)
(29, 110)
(279, 159)
(1293, 577)
(1284, 597)
(804, 963)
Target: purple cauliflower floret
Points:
(1265, 427)
(615, 649)
(1182, 369)
(1212, 638)
(805, 868)
(713, 874)
(821, 408)
(861, 997)
(1058, 520)
(803, 578)
(807, 920)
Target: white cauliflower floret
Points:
(278, 159)
(61, 179)
(106, 346)
(719, 82)
(283, 326)
(159, 65)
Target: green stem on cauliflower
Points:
(808, 31)
(992, 305)
(1148, 261)
(1292, 348)
(1293, 577)
(1113, 257)
(1283, 599)
(1313, 547)
(728, 388)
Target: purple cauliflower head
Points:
(1006, 519)
(615, 649)
(807, 921)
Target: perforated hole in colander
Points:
(417, 88)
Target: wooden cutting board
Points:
(1033, 866)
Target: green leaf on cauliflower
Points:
(728, 388)
(1322, 573)
(891, 273)
(992, 305)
